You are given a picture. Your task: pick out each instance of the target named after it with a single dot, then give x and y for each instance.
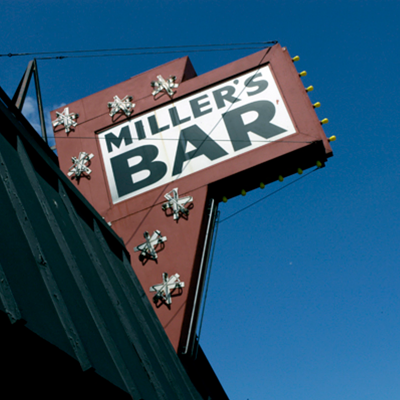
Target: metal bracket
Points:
(165, 289)
(147, 248)
(176, 204)
(162, 84)
(79, 164)
(66, 119)
(124, 105)
(22, 90)
(189, 348)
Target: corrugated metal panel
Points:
(67, 276)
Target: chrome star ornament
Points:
(66, 119)
(125, 105)
(148, 248)
(162, 84)
(176, 204)
(165, 289)
(79, 165)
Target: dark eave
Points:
(67, 287)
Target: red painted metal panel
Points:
(130, 218)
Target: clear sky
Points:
(303, 301)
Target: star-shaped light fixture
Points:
(147, 248)
(165, 289)
(176, 204)
(79, 165)
(162, 84)
(124, 105)
(66, 119)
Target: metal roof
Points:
(68, 289)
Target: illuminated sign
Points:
(194, 133)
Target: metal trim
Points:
(203, 264)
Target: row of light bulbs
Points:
(322, 122)
(317, 104)
(280, 179)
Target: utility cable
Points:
(268, 195)
(151, 53)
(194, 140)
(180, 48)
(221, 118)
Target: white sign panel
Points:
(194, 133)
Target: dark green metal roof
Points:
(67, 287)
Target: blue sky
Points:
(303, 300)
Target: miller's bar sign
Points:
(201, 130)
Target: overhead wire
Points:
(268, 195)
(192, 140)
(221, 118)
(149, 50)
(218, 221)
(150, 53)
